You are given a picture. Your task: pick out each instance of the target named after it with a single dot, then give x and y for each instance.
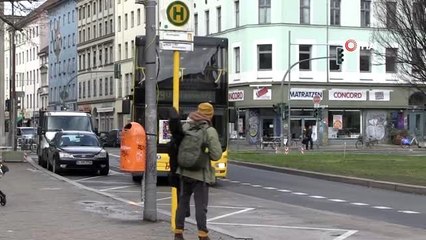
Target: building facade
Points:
(97, 87)
(62, 56)
(362, 96)
(130, 19)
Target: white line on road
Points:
(317, 197)
(283, 190)
(409, 212)
(245, 183)
(299, 193)
(382, 207)
(114, 155)
(115, 188)
(229, 214)
(337, 200)
(85, 179)
(269, 188)
(341, 237)
(234, 181)
(359, 204)
(258, 186)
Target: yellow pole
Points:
(176, 60)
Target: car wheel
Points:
(55, 168)
(104, 171)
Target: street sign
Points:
(176, 15)
(176, 46)
(350, 45)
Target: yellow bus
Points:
(203, 78)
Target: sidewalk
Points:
(43, 207)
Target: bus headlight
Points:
(220, 165)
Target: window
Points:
(332, 62)
(100, 29)
(88, 60)
(111, 82)
(305, 12)
(419, 12)
(416, 61)
(88, 89)
(94, 59)
(125, 22)
(79, 90)
(106, 86)
(365, 60)
(391, 54)
(132, 19)
(138, 17)
(237, 59)
(237, 13)
(264, 11)
(335, 12)
(219, 19)
(119, 52)
(264, 53)
(106, 27)
(207, 22)
(390, 14)
(88, 11)
(111, 26)
(100, 87)
(132, 45)
(106, 56)
(350, 123)
(111, 55)
(365, 13)
(100, 5)
(94, 7)
(94, 88)
(305, 53)
(94, 31)
(119, 24)
(100, 57)
(196, 24)
(126, 50)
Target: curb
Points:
(398, 187)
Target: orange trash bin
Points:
(133, 148)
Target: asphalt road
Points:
(270, 202)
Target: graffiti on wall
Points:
(376, 122)
(253, 126)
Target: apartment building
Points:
(97, 87)
(27, 64)
(362, 96)
(62, 55)
(130, 19)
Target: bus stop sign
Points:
(178, 13)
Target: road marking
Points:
(245, 183)
(85, 179)
(347, 233)
(337, 200)
(269, 188)
(115, 188)
(229, 214)
(234, 181)
(50, 188)
(112, 172)
(283, 190)
(359, 204)
(257, 186)
(317, 197)
(114, 155)
(299, 193)
(408, 212)
(382, 207)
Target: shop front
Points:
(342, 114)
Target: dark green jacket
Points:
(207, 174)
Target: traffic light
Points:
(318, 113)
(7, 105)
(339, 55)
(117, 70)
(284, 111)
(18, 104)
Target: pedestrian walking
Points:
(308, 137)
(197, 178)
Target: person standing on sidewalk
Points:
(308, 137)
(197, 181)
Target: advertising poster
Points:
(337, 121)
(164, 131)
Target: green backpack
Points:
(191, 154)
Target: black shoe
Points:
(179, 236)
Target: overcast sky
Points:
(23, 8)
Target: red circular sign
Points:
(350, 45)
(316, 99)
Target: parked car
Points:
(112, 138)
(26, 136)
(77, 150)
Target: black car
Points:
(77, 150)
(112, 138)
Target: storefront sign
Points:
(347, 94)
(262, 93)
(305, 93)
(236, 95)
(379, 95)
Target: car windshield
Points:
(78, 139)
(78, 123)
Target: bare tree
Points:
(401, 32)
